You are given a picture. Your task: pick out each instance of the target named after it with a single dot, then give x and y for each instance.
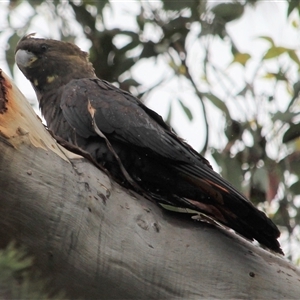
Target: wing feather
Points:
(120, 116)
(123, 117)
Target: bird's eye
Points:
(44, 47)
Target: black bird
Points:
(131, 141)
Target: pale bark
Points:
(96, 240)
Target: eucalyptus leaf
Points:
(292, 133)
(267, 38)
(295, 188)
(275, 52)
(279, 76)
(292, 5)
(293, 55)
(170, 114)
(228, 11)
(285, 117)
(296, 91)
(186, 110)
(218, 103)
(241, 58)
(176, 5)
(149, 50)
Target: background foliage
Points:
(256, 140)
(18, 279)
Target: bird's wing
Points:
(121, 116)
(95, 107)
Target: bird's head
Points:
(50, 64)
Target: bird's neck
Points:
(49, 90)
(50, 107)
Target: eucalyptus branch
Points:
(178, 47)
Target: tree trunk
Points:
(96, 240)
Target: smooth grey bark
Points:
(96, 240)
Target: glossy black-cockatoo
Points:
(131, 141)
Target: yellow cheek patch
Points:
(51, 78)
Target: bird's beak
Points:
(24, 58)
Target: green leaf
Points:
(241, 58)
(275, 52)
(169, 116)
(278, 76)
(84, 17)
(19, 281)
(131, 82)
(228, 11)
(148, 50)
(129, 33)
(296, 91)
(295, 188)
(100, 4)
(176, 26)
(285, 117)
(218, 103)
(269, 76)
(233, 130)
(292, 5)
(292, 133)
(293, 55)
(126, 84)
(267, 38)
(295, 24)
(281, 76)
(175, 5)
(186, 110)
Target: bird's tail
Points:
(212, 195)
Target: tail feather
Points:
(256, 225)
(215, 197)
